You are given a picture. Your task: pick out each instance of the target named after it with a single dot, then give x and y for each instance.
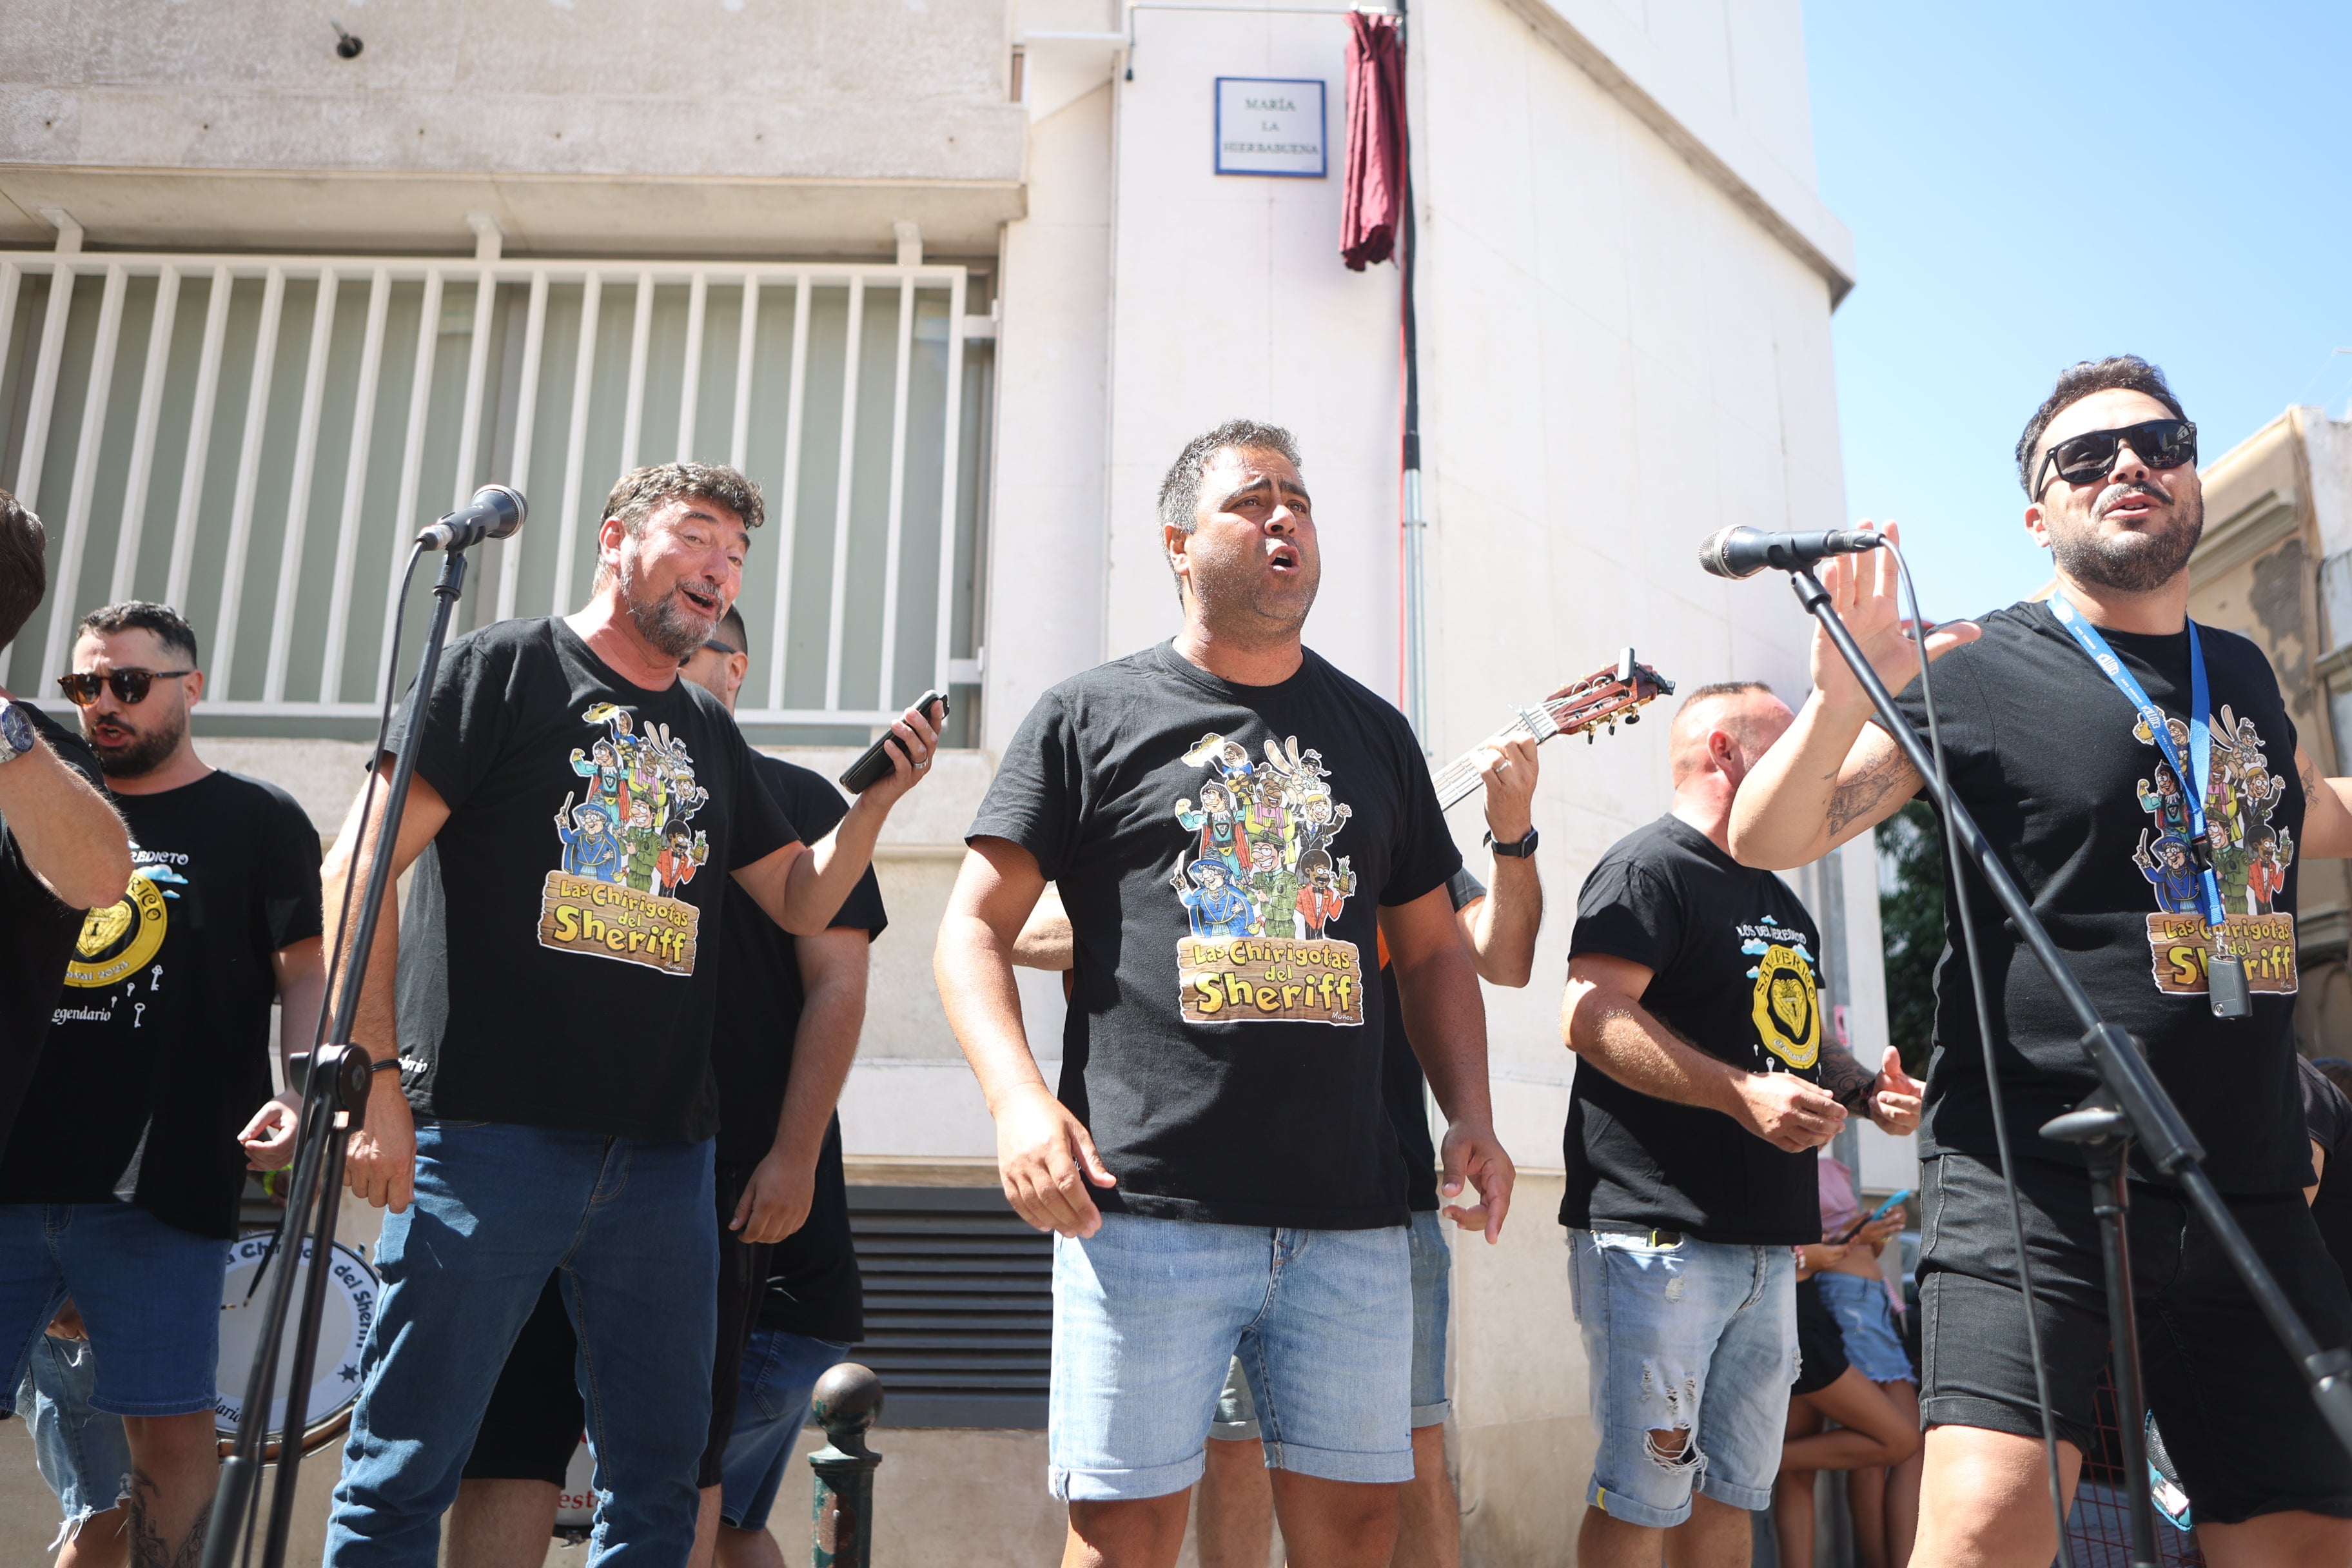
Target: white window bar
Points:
(690, 386)
(132, 528)
(355, 463)
(298, 492)
(67, 584)
(284, 468)
(534, 340)
(200, 423)
(412, 469)
(844, 491)
(641, 328)
(249, 480)
(788, 504)
(583, 382)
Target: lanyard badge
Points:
(2225, 972)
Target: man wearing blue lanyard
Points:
(2126, 763)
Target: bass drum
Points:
(352, 1293)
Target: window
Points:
(256, 440)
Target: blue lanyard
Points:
(2192, 771)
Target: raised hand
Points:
(1895, 1098)
(1863, 590)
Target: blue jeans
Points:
(1699, 1337)
(1865, 1321)
(150, 1294)
(1149, 1313)
(630, 1228)
(82, 1452)
(780, 1369)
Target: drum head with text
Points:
(349, 1310)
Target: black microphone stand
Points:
(334, 1105)
(2131, 1103)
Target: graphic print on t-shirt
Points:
(118, 941)
(1787, 1007)
(2249, 858)
(1259, 884)
(628, 844)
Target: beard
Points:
(1254, 611)
(665, 622)
(137, 753)
(2135, 563)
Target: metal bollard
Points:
(847, 1400)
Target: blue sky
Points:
(2031, 185)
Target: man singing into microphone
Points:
(554, 1109)
(2055, 717)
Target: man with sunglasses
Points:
(2054, 712)
(123, 1176)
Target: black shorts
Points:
(2234, 1407)
(533, 1425)
(1821, 1344)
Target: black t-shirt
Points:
(553, 969)
(2058, 769)
(1733, 973)
(36, 939)
(759, 992)
(1401, 1082)
(159, 1050)
(814, 1286)
(2327, 1121)
(1221, 851)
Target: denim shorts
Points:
(1698, 1337)
(779, 1372)
(149, 1293)
(1432, 1261)
(82, 1452)
(1866, 1324)
(1148, 1314)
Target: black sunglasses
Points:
(130, 685)
(2081, 459)
(709, 645)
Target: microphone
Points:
(495, 512)
(1744, 551)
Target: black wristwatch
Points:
(1520, 850)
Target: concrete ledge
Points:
(1615, 52)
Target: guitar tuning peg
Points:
(1632, 717)
(1612, 726)
(1590, 737)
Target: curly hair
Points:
(636, 493)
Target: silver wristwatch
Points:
(17, 735)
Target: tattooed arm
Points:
(1832, 776)
(1889, 1097)
(2327, 811)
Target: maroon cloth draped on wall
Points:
(1373, 200)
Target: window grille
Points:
(959, 1306)
(255, 439)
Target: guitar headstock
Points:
(1614, 691)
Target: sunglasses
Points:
(709, 645)
(2085, 459)
(130, 685)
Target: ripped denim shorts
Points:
(1697, 1338)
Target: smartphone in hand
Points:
(1872, 1217)
(874, 764)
